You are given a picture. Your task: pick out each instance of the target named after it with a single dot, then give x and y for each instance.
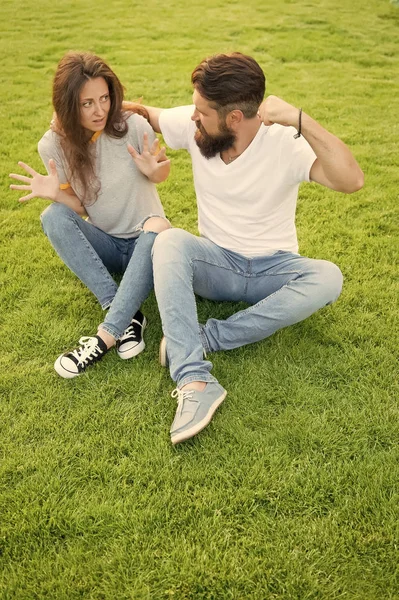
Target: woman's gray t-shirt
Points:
(126, 197)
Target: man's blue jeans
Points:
(93, 255)
(282, 288)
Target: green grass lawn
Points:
(292, 491)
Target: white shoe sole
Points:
(189, 433)
(132, 352)
(62, 372)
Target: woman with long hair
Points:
(102, 164)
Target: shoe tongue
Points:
(102, 345)
(138, 317)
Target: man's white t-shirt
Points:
(247, 206)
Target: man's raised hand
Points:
(275, 110)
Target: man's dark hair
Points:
(230, 81)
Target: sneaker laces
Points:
(129, 331)
(88, 349)
(181, 396)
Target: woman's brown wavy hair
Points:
(73, 71)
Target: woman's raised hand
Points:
(39, 186)
(151, 160)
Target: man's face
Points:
(213, 135)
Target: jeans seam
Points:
(243, 273)
(247, 310)
(93, 254)
(212, 264)
(190, 378)
(107, 304)
(279, 273)
(111, 331)
(204, 340)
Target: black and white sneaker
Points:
(73, 363)
(132, 343)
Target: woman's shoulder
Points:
(50, 139)
(136, 121)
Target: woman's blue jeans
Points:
(282, 288)
(93, 255)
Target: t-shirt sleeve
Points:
(301, 156)
(138, 125)
(49, 147)
(176, 126)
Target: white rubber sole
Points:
(61, 371)
(132, 352)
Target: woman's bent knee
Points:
(156, 224)
(53, 214)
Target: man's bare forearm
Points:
(335, 166)
(154, 113)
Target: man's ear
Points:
(234, 118)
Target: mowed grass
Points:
(292, 491)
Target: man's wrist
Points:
(299, 126)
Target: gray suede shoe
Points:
(195, 410)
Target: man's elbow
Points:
(359, 182)
(354, 184)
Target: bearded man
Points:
(249, 157)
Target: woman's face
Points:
(94, 103)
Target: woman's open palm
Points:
(39, 186)
(151, 159)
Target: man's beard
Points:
(210, 145)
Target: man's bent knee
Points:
(172, 244)
(331, 279)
